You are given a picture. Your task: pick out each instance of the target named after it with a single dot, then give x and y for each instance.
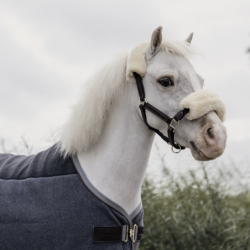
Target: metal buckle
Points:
(178, 151)
(143, 102)
(175, 125)
(132, 233)
(126, 234)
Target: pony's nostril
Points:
(210, 133)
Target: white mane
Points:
(86, 123)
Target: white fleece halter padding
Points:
(137, 61)
(202, 102)
(137, 57)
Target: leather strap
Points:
(157, 112)
(139, 233)
(116, 234)
(172, 123)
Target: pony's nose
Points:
(212, 140)
(210, 136)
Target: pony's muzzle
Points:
(210, 142)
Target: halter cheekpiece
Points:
(173, 123)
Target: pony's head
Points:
(171, 84)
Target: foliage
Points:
(195, 211)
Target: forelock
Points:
(137, 58)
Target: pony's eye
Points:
(166, 82)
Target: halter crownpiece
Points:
(137, 61)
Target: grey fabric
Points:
(44, 204)
(103, 197)
(135, 232)
(124, 232)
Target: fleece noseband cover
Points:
(202, 102)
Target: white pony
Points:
(106, 130)
(87, 195)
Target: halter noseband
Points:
(172, 123)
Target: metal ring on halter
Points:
(142, 102)
(178, 151)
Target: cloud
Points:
(49, 48)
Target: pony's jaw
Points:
(197, 153)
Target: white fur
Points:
(117, 163)
(137, 61)
(89, 114)
(137, 57)
(202, 102)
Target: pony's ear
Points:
(155, 43)
(190, 37)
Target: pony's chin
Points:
(198, 154)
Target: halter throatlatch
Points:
(172, 123)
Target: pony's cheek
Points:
(155, 122)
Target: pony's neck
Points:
(116, 164)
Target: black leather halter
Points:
(172, 123)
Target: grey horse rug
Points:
(47, 202)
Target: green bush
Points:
(197, 210)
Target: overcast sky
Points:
(49, 48)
